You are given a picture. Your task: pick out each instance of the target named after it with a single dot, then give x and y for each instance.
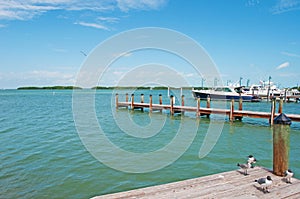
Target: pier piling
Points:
(126, 99)
(160, 99)
(240, 104)
(142, 101)
(172, 105)
(117, 100)
(281, 143)
(198, 107)
(132, 101)
(280, 105)
(273, 107)
(182, 103)
(231, 110)
(150, 103)
(208, 105)
(208, 102)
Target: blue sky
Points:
(44, 42)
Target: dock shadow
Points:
(285, 180)
(241, 172)
(259, 188)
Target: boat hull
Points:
(214, 96)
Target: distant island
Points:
(138, 88)
(96, 87)
(116, 87)
(48, 88)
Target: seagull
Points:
(265, 183)
(83, 53)
(251, 159)
(288, 176)
(245, 167)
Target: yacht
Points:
(223, 93)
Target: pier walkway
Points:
(206, 111)
(232, 184)
(209, 111)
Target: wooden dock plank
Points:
(232, 184)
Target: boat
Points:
(264, 90)
(224, 93)
(292, 95)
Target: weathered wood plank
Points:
(232, 184)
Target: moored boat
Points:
(224, 93)
(264, 90)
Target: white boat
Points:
(264, 90)
(292, 95)
(223, 93)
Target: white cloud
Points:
(27, 9)
(126, 5)
(22, 10)
(285, 6)
(252, 2)
(93, 25)
(60, 50)
(109, 19)
(283, 65)
(51, 77)
(189, 75)
(290, 54)
(36, 78)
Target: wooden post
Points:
(281, 144)
(132, 101)
(285, 91)
(231, 110)
(150, 103)
(142, 98)
(182, 102)
(126, 99)
(273, 107)
(172, 105)
(280, 105)
(142, 101)
(198, 107)
(241, 103)
(117, 100)
(160, 101)
(208, 102)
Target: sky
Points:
(46, 42)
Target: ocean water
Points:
(42, 155)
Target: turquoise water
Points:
(41, 153)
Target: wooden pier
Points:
(231, 184)
(205, 111)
